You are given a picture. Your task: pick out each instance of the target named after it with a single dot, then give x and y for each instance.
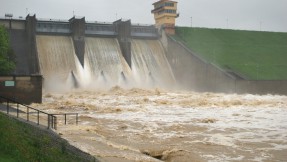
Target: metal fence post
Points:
(27, 113)
(55, 122)
(52, 121)
(17, 110)
(38, 121)
(7, 106)
(48, 121)
(65, 119)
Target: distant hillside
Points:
(253, 54)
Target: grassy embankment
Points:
(253, 54)
(19, 142)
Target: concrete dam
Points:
(76, 53)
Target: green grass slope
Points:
(253, 54)
(20, 143)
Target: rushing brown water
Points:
(156, 125)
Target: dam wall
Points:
(78, 50)
(22, 40)
(19, 44)
(25, 89)
(193, 73)
(32, 50)
(22, 33)
(72, 53)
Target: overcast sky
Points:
(267, 15)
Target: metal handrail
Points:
(51, 118)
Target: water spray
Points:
(74, 80)
(123, 76)
(103, 76)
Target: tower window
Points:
(169, 4)
(170, 11)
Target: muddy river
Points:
(146, 125)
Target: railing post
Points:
(51, 118)
(38, 120)
(27, 113)
(52, 121)
(17, 110)
(7, 106)
(48, 121)
(55, 122)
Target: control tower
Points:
(165, 12)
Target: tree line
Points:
(7, 57)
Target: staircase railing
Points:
(30, 114)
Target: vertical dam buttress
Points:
(78, 35)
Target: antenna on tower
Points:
(227, 23)
(260, 25)
(190, 21)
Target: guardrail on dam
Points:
(22, 33)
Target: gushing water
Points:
(104, 64)
(103, 58)
(58, 61)
(149, 63)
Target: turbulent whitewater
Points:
(150, 124)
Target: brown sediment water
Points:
(159, 125)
